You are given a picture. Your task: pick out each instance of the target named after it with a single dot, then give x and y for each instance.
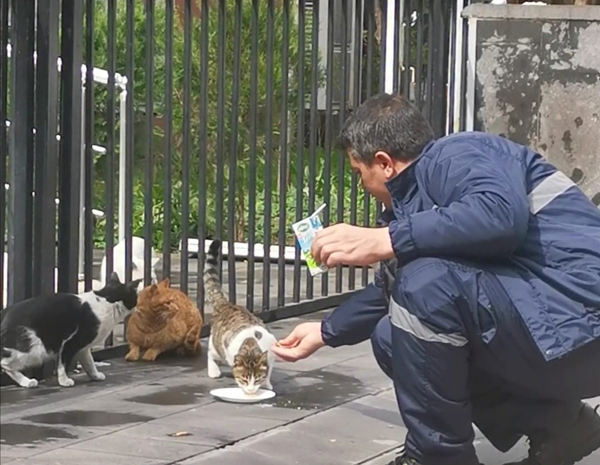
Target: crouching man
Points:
(486, 308)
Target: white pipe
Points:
(458, 66)
(388, 86)
(471, 59)
(82, 188)
(122, 162)
(100, 75)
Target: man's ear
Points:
(385, 162)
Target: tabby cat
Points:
(238, 338)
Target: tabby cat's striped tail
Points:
(212, 285)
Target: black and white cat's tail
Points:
(213, 290)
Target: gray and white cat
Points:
(237, 337)
(62, 327)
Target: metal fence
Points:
(179, 121)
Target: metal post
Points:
(46, 147)
(70, 143)
(20, 209)
(439, 51)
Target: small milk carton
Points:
(305, 232)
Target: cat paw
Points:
(130, 357)
(30, 383)
(214, 373)
(67, 382)
(98, 377)
(149, 356)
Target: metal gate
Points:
(179, 121)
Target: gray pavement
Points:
(334, 408)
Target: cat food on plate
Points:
(236, 394)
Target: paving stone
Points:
(76, 457)
(229, 457)
(124, 444)
(289, 445)
(210, 431)
(267, 410)
(363, 426)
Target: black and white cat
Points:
(62, 327)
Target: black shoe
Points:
(571, 446)
(405, 460)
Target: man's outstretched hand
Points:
(344, 244)
(302, 342)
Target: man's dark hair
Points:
(387, 123)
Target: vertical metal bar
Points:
(328, 129)
(252, 158)
(429, 76)
(20, 203)
(356, 96)
(370, 12)
(220, 155)
(167, 187)
(419, 57)
(70, 143)
(407, 47)
(46, 148)
(185, 149)
(149, 162)
(463, 82)
(3, 135)
(382, 57)
(314, 89)
(344, 71)
(109, 183)
(283, 161)
(451, 77)
(233, 149)
(88, 253)
(300, 140)
(439, 51)
(129, 69)
(266, 297)
(202, 153)
(397, 39)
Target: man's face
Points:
(373, 177)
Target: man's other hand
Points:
(344, 244)
(302, 342)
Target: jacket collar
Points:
(403, 186)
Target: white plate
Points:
(237, 395)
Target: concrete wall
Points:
(536, 80)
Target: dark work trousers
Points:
(459, 353)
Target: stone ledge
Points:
(532, 12)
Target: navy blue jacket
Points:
(483, 198)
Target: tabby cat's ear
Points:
(264, 356)
(164, 283)
(237, 360)
(153, 289)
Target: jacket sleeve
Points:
(354, 320)
(482, 208)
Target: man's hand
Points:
(343, 244)
(302, 342)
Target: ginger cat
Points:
(165, 319)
